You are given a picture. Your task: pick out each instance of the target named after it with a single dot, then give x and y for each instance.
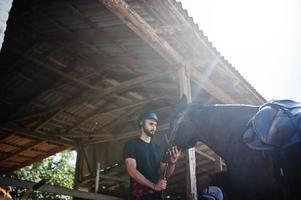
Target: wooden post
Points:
(191, 187)
(78, 169)
(218, 163)
(97, 177)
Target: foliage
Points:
(57, 170)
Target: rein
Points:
(169, 143)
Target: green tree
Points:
(57, 170)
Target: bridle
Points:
(169, 141)
(172, 135)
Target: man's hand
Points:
(174, 153)
(161, 185)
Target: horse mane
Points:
(198, 111)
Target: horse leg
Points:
(292, 166)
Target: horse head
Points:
(182, 132)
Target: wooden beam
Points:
(116, 89)
(55, 89)
(121, 118)
(203, 40)
(38, 158)
(121, 61)
(166, 87)
(127, 135)
(169, 29)
(44, 122)
(70, 36)
(113, 90)
(56, 71)
(137, 81)
(97, 31)
(137, 24)
(78, 169)
(164, 109)
(16, 153)
(218, 163)
(123, 86)
(18, 130)
(205, 155)
(55, 189)
(215, 158)
(108, 136)
(105, 59)
(107, 177)
(100, 112)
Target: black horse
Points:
(251, 174)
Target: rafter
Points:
(123, 86)
(57, 71)
(213, 159)
(119, 88)
(126, 135)
(227, 67)
(146, 32)
(18, 130)
(100, 112)
(137, 24)
(70, 36)
(16, 153)
(39, 157)
(105, 58)
(97, 30)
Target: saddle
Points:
(277, 124)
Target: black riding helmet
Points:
(147, 115)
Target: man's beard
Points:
(148, 132)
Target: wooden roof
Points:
(77, 73)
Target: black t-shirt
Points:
(147, 156)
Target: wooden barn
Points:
(77, 73)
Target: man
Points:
(143, 161)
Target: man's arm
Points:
(130, 164)
(174, 153)
(170, 169)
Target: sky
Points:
(260, 38)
